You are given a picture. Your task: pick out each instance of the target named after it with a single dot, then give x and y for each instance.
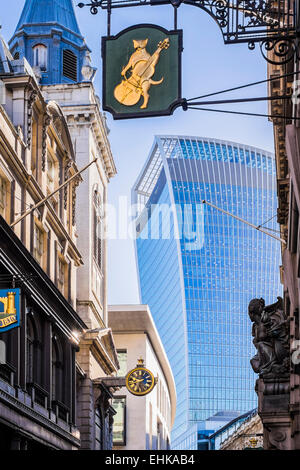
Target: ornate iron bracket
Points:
(271, 23)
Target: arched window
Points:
(34, 351)
(40, 57)
(69, 65)
(57, 369)
(17, 55)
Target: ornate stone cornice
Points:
(100, 343)
(90, 304)
(89, 115)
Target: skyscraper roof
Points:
(49, 11)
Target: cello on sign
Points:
(142, 66)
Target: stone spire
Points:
(49, 37)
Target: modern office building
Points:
(198, 267)
(141, 422)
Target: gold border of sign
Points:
(149, 389)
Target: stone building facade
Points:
(39, 256)
(278, 388)
(54, 46)
(248, 436)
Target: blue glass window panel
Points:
(207, 152)
(195, 149)
(231, 158)
(225, 153)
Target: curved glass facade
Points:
(199, 268)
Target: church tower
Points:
(49, 37)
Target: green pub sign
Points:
(142, 72)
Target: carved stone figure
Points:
(270, 334)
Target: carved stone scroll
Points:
(46, 124)
(31, 99)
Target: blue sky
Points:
(208, 66)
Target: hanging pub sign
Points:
(9, 309)
(142, 72)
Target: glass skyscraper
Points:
(199, 268)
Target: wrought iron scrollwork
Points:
(94, 5)
(271, 23)
(258, 13)
(277, 51)
(94, 8)
(218, 9)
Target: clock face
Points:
(140, 381)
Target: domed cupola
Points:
(49, 37)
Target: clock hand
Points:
(137, 380)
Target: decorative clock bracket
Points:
(137, 375)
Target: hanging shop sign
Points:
(142, 72)
(140, 381)
(9, 309)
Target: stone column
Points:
(273, 409)
(272, 363)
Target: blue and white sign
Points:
(9, 309)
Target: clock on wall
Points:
(140, 381)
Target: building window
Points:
(50, 172)
(57, 370)
(61, 272)
(122, 358)
(30, 351)
(69, 65)
(119, 426)
(17, 55)
(40, 57)
(38, 244)
(98, 430)
(3, 192)
(33, 351)
(97, 229)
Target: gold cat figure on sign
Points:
(142, 67)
